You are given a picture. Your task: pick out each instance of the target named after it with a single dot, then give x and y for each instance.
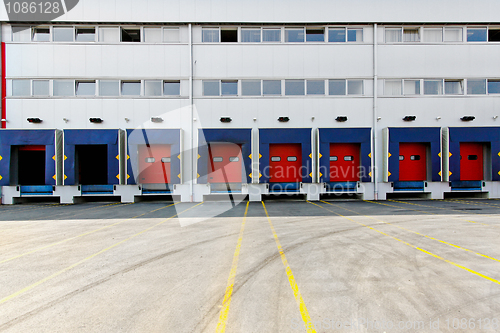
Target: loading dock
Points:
(224, 160)
(286, 160)
(28, 157)
(412, 162)
(91, 160)
(224, 163)
(473, 160)
(344, 160)
(153, 161)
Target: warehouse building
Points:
(204, 98)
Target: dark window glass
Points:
(229, 36)
(494, 35)
(401, 158)
(415, 157)
(348, 158)
(472, 157)
(131, 35)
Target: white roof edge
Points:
(281, 11)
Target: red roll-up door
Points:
(412, 161)
(224, 163)
(471, 161)
(344, 162)
(285, 161)
(154, 164)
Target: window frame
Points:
(77, 82)
(295, 28)
(57, 27)
(96, 33)
(33, 34)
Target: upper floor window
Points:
(411, 35)
(85, 34)
(229, 35)
(453, 34)
(271, 35)
(476, 34)
(109, 34)
(210, 35)
(63, 34)
(21, 34)
(41, 34)
(315, 35)
(131, 34)
(251, 35)
(476, 87)
(294, 35)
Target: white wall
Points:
(314, 11)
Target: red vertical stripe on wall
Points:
(4, 88)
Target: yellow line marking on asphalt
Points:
(423, 211)
(224, 311)
(414, 246)
(296, 292)
(417, 233)
(474, 203)
(57, 214)
(36, 284)
(81, 235)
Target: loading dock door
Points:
(344, 162)
(31, 165)
(224, 163)
(285, 161)
(471, 161)
(154, 164)
(91, 164)
(412, 161)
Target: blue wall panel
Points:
(76, 137)
(344, 135)
(285, 135)
(429, 135)
(242, 136)
(489, 135)
(9, 138)
(136, 137)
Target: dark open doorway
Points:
(28, 164)
(91, 164)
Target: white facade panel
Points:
(281, 11)
(439, 61)
(283, 61)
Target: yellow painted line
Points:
(417, 233)
(415, 247)
(57, 214)
(423, 211)
(224, 311)
(81, 235)
(295, 288)
(50, 277)
(475, 203)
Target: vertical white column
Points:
(374, 129)
(191, 106)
